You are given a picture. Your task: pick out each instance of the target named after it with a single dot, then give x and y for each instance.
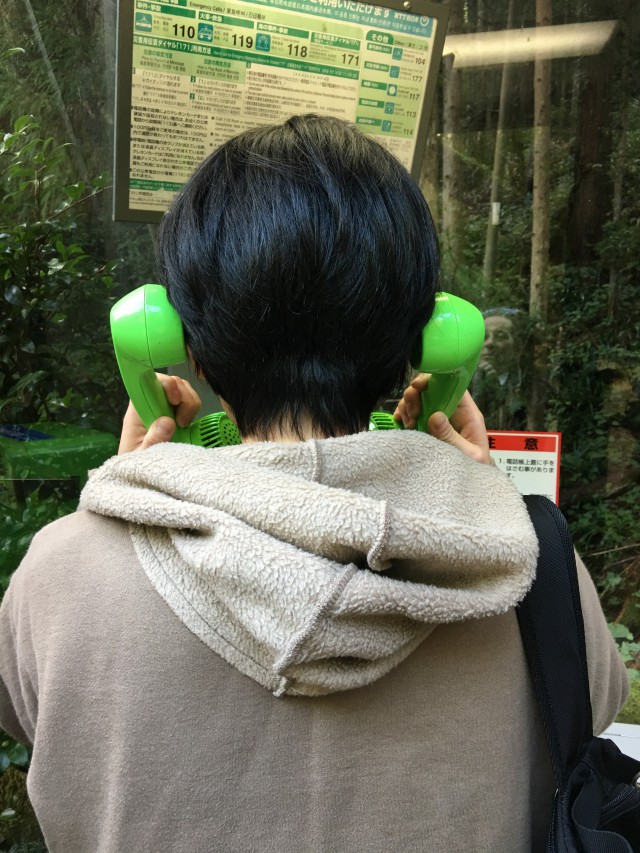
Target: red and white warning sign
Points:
(530, 459)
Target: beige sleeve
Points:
(18, 669)
(608, 678)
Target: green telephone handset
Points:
(147, 335)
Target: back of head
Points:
(303, 261)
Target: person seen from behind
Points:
(306, 642)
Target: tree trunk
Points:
(539, 293)
(430, 172)
(618, 173)
(451, 206)
(591, 191)
(76, 153)
(489, 265)
(109, 38)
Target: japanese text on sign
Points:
(531, 460)
(205, 70)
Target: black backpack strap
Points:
(552, 629)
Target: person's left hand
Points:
(185, 403)
(464, 430)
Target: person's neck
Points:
(288, 435)
(284, 433)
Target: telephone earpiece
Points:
(451, 345)
(147, 335)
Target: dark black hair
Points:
(303, 261)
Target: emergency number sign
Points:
(194, 73)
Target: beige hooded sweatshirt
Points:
(279, 647)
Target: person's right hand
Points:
(464, 430)
(185, 403)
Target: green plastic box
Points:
(43, 467)
(51, 451)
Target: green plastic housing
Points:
(451, 344)
(53, 451)
(53, 458)
(147, 335)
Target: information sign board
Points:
(530, 459)
(193, 73)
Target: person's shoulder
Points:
(83, 531)
(78, 525)
(61, 551)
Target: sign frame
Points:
(124, 63)
(510, 441)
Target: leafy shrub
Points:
(631, 711)
(56, 358)
(18, 824)
(55, 352)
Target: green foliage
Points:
(55, 352)
(18, 824)
(629, 649)
(12, 752)
(594, 371)
(28, 847)
(592, 329)
(56, 359)
(631, 711)
(19, 830)
(20, 521)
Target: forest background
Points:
(531, 170)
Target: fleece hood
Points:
(319, 566)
